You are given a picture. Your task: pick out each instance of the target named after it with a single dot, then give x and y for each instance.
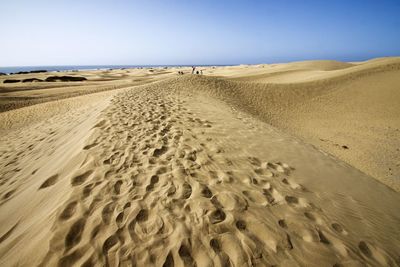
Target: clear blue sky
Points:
(73, 32)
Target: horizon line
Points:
(184, 65)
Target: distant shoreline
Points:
(15, 69)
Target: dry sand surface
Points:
(267, 165)
(21, 94)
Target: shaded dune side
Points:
(321, 65)
(300, 70)
(268, 100)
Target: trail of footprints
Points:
(153, 191)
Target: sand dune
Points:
(308, 71)
(188, 171)
(17, 95)
(356, 108)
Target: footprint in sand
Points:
(117, 187)
(119, 219)
(282, 223)
(169, 261)
(8, 194)
(186, 191)
(142, 215)
(338, 228)
(75, 233)
(217, 216)
(206, 192)
(87, 147)
(100, 124)
(186, 257)
(107, 212)
(291, 199)
(68, 211)
(214, 244)
(322, 237)
(365, 249)
(153, 180)
(80, 179)
(160, 151)
(8, 233)
(49, 181)
(109, 243)
(241, 225)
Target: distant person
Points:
(193, 69)
(201, 72)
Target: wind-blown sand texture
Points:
(188, 171)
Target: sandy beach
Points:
(291, 164)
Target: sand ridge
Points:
(352, 114)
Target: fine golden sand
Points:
(292, 164)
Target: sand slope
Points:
(17, 95)
(166, 175)
(354, 107)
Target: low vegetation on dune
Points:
(49, 79)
